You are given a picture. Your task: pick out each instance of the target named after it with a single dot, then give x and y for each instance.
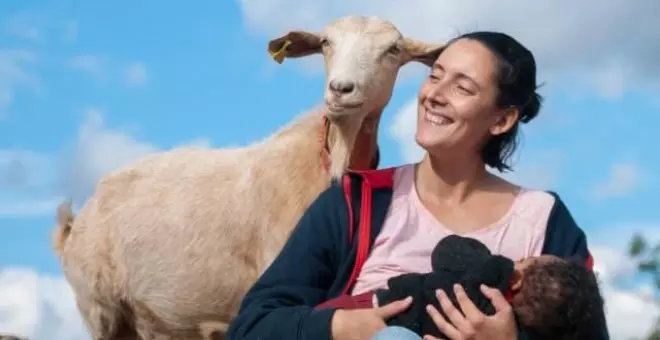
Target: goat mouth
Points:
(338, 108)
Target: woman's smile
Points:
(435, 117)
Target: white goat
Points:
(176, 239)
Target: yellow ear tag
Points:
(279, 55)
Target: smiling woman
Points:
(480, 88)
(459, 105)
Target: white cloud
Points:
(92, 64)
(23, 176)
(618, 235)
(614, 41)
(39, 25)
(14, 74)
(98, 151)
(32, 184)
(630, 313)
(30, 208)
(38, 307)
(17, 166)
(622, 180)
(98, 66)
(135, 74)
(537, 170)
(403, 130)
(25, 25)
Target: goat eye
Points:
(394, 49)
(325, 42)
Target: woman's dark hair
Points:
(516, 75)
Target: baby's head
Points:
(554, 296)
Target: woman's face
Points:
(457, 103)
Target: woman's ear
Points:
(506, 120)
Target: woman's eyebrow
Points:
(460, 75)
(468, 78)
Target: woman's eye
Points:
(464, 90)
(435, 74)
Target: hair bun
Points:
(531, 109)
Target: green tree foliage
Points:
(647, 257)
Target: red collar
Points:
(323, 140)
(509, 295)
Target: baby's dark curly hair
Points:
(560, 299)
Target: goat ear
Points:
(294, 44)
(423, 52)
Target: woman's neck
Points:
(450, 180)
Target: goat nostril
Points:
(342, 87)
(348, 88)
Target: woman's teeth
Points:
(435, 119)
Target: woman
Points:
(479, 90)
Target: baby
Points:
(552, 298)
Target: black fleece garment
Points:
(455, 259)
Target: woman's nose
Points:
(437, 93)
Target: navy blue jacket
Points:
(321, 259)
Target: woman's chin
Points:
(427, 142)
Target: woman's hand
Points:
(472, 324)
(361, 324)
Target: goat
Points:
(175, 239)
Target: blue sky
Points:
(87, 86)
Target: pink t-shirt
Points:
(410, 232)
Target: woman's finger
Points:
(472, 313)
(430, 337)
(393, 308)
(455, 315)
(443, 325)
(496, 298)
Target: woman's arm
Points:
(280, 304)
(563, 237)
